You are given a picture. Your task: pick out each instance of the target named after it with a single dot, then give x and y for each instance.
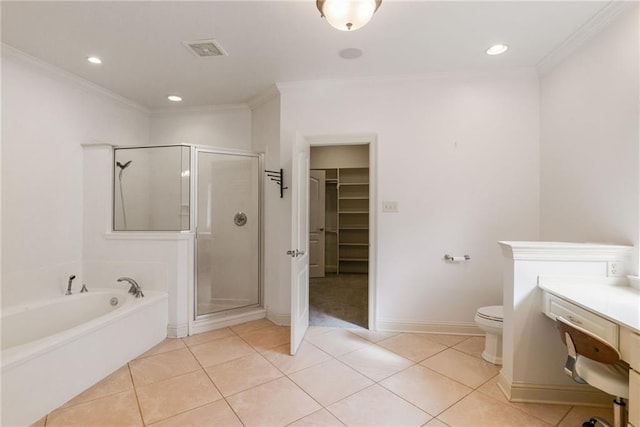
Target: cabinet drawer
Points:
(634, 353)
(634, 398)
(630, 348)
(605, 329)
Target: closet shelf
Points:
(353, 197)
(354, 244)
(354, 259)
(353, 183)
(354, 212)
(354, 227)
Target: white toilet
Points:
(489, 319)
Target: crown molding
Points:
(11, 51)
(198, 110)
(433, 76)
(264, 97)
(587, 31)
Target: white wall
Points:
(218, 126)
(460, 155)
(46, 115)
(589, 140)
(266, 139)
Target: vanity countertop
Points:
(610, 298)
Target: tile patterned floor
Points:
(244, 376)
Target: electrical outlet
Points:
(389, 206)
(613, 269)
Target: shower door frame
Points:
(231, 313)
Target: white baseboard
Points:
(177, 330)
(205, 325)
(282, 319)
(453, 328)
(554, 394)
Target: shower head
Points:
(123, 167)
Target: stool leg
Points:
(619, 413)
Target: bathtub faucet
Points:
(135, 289)
(69, 285)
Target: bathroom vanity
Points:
(609, 308)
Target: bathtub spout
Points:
(134, 289)
(69, 285)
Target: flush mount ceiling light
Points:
(174, 98)
(497, 49)
(348, 15)
(94, 60)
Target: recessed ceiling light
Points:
(94, 60)
(350, 53)
(174, 98)
(497, 49)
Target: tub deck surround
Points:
(61, 357)
(45, 319)
(525, 376)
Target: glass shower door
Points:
(227, 232)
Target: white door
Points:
(317, 194)
(299, 251)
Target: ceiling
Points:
(144, 59)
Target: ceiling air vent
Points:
(205, 48)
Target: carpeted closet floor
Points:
(339, 300)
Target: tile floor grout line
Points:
(208, 403)
(234, 411)
(163, 379)
(212, 339)
(206, 373)
(457, 381)
(135, 393)
(565, 416)
(508, 403)
(445, 375)
(339, 400)
(410, 403)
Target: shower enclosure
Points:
(228, 228)
(215, 195)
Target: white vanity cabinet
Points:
(608, 310)
(630, 350)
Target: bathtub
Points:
(53, 350)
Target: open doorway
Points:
(339, 237)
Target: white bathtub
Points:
(53, 350)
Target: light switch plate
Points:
(389, 206)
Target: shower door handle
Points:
(295, 253)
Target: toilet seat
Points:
(493, 313)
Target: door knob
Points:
(295, 253)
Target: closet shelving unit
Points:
(331, 221)
(353, 220)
